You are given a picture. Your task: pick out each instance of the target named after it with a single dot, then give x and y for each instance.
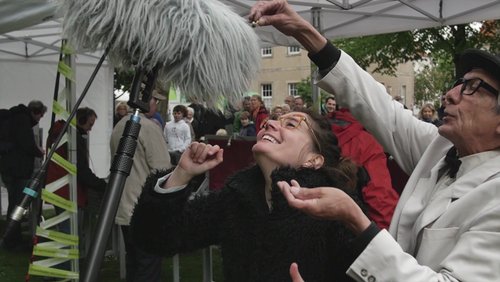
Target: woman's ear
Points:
(315, 162)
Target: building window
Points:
(403, 91)
(293, 50)
(292, 89)
(266, 91)
(266, 52)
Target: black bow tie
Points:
(452, 162)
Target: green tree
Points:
(433, 80)
(388, 50)
(304, 89)
(123, 79)
(437, 48)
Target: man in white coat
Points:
(446, 226)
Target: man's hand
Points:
(326, 203)
(284, 18)
(277, 13)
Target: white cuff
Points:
(161, 181)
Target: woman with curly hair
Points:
(259, 234)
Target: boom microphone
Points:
(205, 48)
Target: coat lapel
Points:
(442, 199)
(479, 174)
(436, 207)
(430, 205)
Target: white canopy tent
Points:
(335, 18)
(351, 18)
(28, 67)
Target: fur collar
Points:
(249, 184)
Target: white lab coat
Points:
(448, 234)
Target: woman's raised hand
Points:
(197, 159)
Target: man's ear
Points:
(315, 162)
(498, 127)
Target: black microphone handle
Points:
(20, 210)
(120, 169)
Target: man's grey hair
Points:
(37, 107)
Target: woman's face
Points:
(254, 103)
(427, 113)
(287, 141)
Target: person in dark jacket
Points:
(429, 114)
(259, 234)
(206, 121)
(247, 126)
(86, 179)
(17, 165)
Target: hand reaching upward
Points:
(283, 17)
(197, 159)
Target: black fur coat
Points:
(257, 244)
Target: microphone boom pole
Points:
(120, 170)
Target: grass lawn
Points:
(14, 266)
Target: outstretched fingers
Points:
(264, 12)
(294, 273)
(299, 192)
(299, 198)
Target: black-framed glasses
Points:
(293, 121)
(470, 86)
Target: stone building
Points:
(283, 67)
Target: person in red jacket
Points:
(362, 148)
(258, 111)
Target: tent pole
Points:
(316, 22)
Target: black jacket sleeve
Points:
(167, 224)
(326, 58)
